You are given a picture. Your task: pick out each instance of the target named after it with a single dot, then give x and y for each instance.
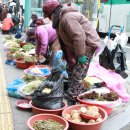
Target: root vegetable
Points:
(83, 109)
(68, 116)
(93, 113)
(73, 111)
(99, 119)
(94, 108)
(76, 120)
(91, 121)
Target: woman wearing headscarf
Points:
(78, 40)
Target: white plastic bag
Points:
(109, 43)
(121, 38)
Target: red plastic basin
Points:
(56, 118)
(23, 65)
(37, 110)
(79, 126)
(20, 104)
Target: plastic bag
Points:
(54, 99)
(121, 38)
(13, 88)
(114, 60)
(118, 59)
(105, 57)
(59, 64)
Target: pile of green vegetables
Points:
(31, 87)
(30, 59)
(19, 54)
(48, 125)
(30, 78)
(28, 47)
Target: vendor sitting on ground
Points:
(7, 24)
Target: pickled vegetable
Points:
(47, 125)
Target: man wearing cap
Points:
(78, 39)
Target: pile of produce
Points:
(28, 47)
(15, 45)
(13, 50)
(9, 37)
(47, 125)
(11, 42)
(30, 78)
(10, 56)
(19, 55)
(31, 87)
(111, 96)
(30, 59)
(92, 111)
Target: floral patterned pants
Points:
(76, 85)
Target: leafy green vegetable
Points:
(13, 50)
(19, 54)
(28, 47)
(15, 45)
(30, 58)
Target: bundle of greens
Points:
(28, 47)
(30, 58)
(19, 55)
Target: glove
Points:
(82, 59)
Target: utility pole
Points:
(27, 13)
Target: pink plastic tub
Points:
(79, 126)
(56, 118)
(37, 110)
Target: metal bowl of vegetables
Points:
(47, 122)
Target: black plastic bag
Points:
(54, 99)
(114, 60)
(105, 57)
(118, 59)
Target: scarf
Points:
(56, 17)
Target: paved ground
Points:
(16, 119)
